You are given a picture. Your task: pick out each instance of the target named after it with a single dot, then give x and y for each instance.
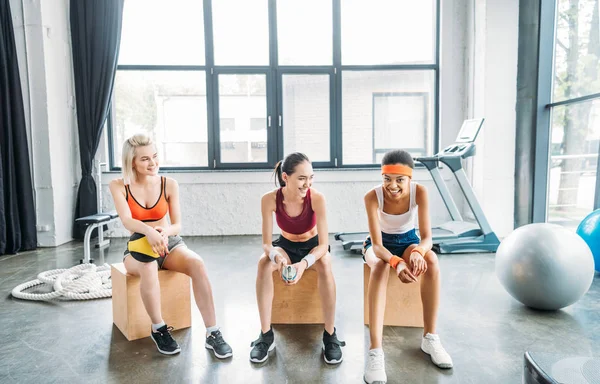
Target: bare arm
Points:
(174, 207)
(267, 207)
(371, 206)
(422, 200)
(319, 207)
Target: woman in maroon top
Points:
(301, 215)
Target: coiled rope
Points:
(81, 282)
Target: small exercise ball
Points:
(545, 266)
(589, 230)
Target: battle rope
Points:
(81, 282)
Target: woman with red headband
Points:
(393, 242)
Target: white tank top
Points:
(395, 224)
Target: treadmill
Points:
(456, 235)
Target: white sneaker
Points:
(432, 346)
(375, 367)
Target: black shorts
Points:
(296, 250)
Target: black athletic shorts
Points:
(296, 250)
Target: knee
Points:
(265, 264)
(380, 268)
(323, 265)
(432, 262)
(148, 270)
(196, 266)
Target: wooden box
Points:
(299, 303)
(129, 313)
(403, 305)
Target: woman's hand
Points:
(157, 242)
(300, 268)
(164, 235)
(279, 260)
(404, 274)
(418, 265)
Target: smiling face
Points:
(300, 180)
(145, 161)
(396, 186)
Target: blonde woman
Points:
(143, 200)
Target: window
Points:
(241, 32)
(382, 110)
(234, 84)
(170, 106)
(388, 32)
(299, 45)
(400, 120)
(150, 27)
(243, 99)
(568, 136)
(307, 115)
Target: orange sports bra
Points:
(154, 213)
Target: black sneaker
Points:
(332, 353)
(262, 346)
(219, 347)
(164, 341)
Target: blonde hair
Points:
(128, 153)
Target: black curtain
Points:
(95, 38)
(17, 210)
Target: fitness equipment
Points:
(553, 368)
(457, 235)
(98, 220)
(81, 282)
(589, 230)
(545, 266)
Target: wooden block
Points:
(403, 305)
(299, 303)
(129, 313)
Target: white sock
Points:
(210, 330)
(156, 326)
(377, 350)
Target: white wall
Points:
(228, 203)
(45, 65)
(495, 94)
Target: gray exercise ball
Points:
(545, 266)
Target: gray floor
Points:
(481, 326)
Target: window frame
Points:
(275, 74)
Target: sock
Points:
(377, 350)
(210, 330)
(156, 326)
(269, 332)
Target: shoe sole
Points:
(165, 352)
(208, 346)
(443, 366)
(374, 382)
(272, 347)
(332, 362)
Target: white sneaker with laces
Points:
(375, 367)
(432, 346)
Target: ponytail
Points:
(279, 174)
